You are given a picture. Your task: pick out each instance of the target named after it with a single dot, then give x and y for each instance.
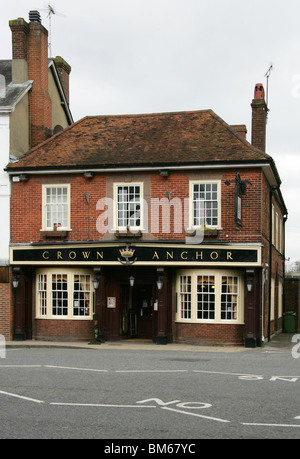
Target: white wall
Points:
(4, 190)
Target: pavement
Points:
(280, 343)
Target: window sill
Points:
(64, 318)
(209, 321)
(208, 232)
(127, 233)
(60, 234)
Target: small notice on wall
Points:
(111, 302)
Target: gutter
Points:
(164, 166)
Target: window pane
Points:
(82, 295)
(42, 294)
(229, 298)
(205, 204)
(185, 296)
(59, 295)
(205, 297)
(128, 206)
(57, 207)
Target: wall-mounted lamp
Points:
(88, 174)
(15, 282)
(249, 284)
(96, 282)
(168, 193)
(164, 173)
(20, 178)
(131, 281)
(160, 283)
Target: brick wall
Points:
(209, 334)
(6, 308)
(26, 205)
(63, 330)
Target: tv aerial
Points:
(51, 11)
(267, 75)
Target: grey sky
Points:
(142, 56)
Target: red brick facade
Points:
(157, 279)
(6, 304)
(26, 226)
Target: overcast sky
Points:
(149, 56)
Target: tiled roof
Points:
(10, 93)
(162, 139)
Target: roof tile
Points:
(138, 140)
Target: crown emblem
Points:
(127, 252)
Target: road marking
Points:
(158, 401)
(285, 378)
(21, 396)
(244, 375)
(194, 414)
(269, 425)
(152, 371)
(75, 368)
(20, 366)
(195, 405)
(102, 405)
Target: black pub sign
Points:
(130, 254)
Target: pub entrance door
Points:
(137, 311)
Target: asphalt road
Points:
(166, 396)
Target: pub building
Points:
(166, 227)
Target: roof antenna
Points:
(50, 12)
(267, 74)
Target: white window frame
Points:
(45, 297)
(192, 224)
(45, 204)
(116, 202)
(217, 276)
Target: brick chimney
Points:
(63, 70)
(20, 31)
(259, 118)
(240, 129)
(30, 62)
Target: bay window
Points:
(209, 296)
(64, 294)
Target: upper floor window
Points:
(129, 206)
(57, 207)
(205, 204)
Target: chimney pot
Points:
(259, 92)
(34, 16)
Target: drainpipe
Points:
(285, 217)
(263, 302)
(272, 191)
